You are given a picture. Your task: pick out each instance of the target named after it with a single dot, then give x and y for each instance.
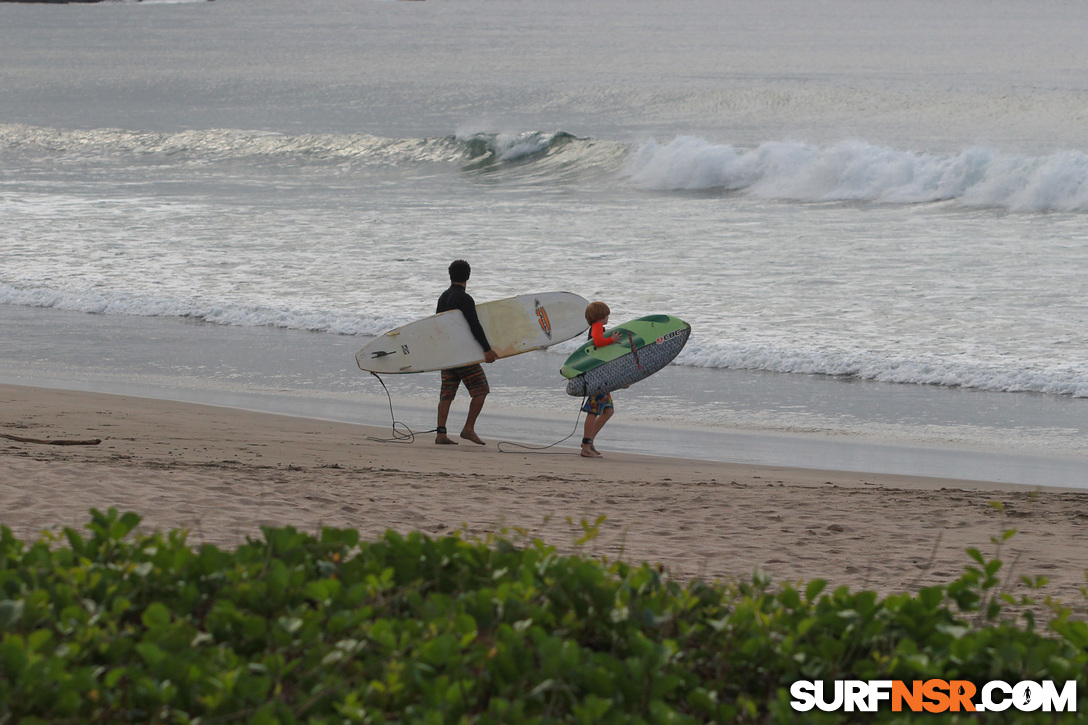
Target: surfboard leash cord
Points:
(407, 435)
(540, 449)
(398, 436)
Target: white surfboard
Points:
(513, 326)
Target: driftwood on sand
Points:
(57, 442)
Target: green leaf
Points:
(156, 616)
(11, 611)
(814, 588)
(151, 653)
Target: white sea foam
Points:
(857, 171)
(215, 312)
(1071, 379)
(1029, 376)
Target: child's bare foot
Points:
(470, 435)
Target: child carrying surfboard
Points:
(598, 408)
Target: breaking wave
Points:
(857, 171)
(850, 171)
(471, 152)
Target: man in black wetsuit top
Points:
(456, 298)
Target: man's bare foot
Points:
(588, 452)
(443, 440)
(470, 435)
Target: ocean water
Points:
(874, 215)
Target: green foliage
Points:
(118, 627)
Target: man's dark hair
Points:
(460, 271)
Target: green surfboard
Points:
(646, 345)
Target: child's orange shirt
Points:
(596, 333)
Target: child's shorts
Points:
(597, 404)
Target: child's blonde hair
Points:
(596, 311)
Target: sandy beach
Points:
(221, 473)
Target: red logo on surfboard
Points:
(542, 318)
